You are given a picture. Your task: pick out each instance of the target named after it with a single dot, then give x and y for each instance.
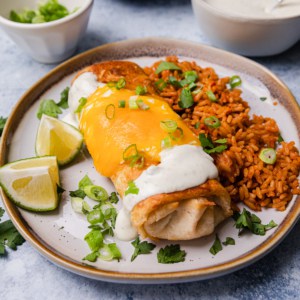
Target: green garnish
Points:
(94, 239)
(122, 104)
(212, 122)
(95, 216)
(263, 98)
(132, 103)
(171, 254)
(92, 257)
(79, 193)
(49, 108)
(280, 138)
(96, 192)
(47, 12)
(175, 82)
(64, 96)
(216, 247)
(251, 222)
(229, 241)
(85, 207)
(141, 248)
(208, 145)
(2, 124)
(235, 81)
(133, 157)
(110, 111)
(132, 188)
(109, 252)
(164, 65)
(166, 142)
(177, 134)
(9, 236)
(168, 125)
(82, 102)
(268, 156)
(189, 78)
(142, 105)
(141, 90)
(197, 125)
(113, 198)
(120, 84)
(160, 84)
(211, 96)
(221, 141)
(186, 98)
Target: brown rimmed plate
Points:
(59, 235)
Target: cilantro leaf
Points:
(251, 222)
(82, 102)
(171, 254)
(280, 138)
(208, 145)
(186, 98)
(217, 149)
(92, 257)
(165, 65)
(2, 124)
(229, 241)
(216, 247)
(132, 188)
(206, 142)
(2, 211)
(85, 181)
(141, 248)
(78, 193)
(113, 198)
(64, 96)
(9, 236)
(49, 108)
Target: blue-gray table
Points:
(25, 274)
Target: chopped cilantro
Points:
(113, 198)
(221, 141)
(263, 98)
(92, 257)
(251, 222)
(229, 241)
(164, 65)
(64, 96)
(85, 181)
(280, 138)
(216, 247)
(82, 102)
(2, 124)
(141, 90)
(171, 254)
(160, 84)
(175, 82)
(132, 188)
(208, 145)
(141, 248)
(186, 98)
(78, 193)
(49, 108)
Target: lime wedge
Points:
(32, 183)
(59, 139)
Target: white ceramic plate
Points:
(59, 235)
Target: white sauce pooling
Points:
(83, 86)
(181, 167)
(257, 8)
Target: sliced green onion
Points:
(109, 252)
(82, 102)
(76, 204)
(141, 90)
(137, 161)
(177, 134)
(221, 141)
(94, 239)
(166, 143)
(186, 98)
(133, 104)
(96, 192)
(211, 96)
(168, 125)
(212, 122)
(122, 104)
(268, 156)
(160, 84)
(120, 84)
(92, 257)
(110, 111)
(165, 65)
(142, 105)
(95, 216)
(85, 207)
(235, 81)
(130, 152)
(132, 188)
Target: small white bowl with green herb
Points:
(47, 30)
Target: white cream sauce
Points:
(258, 8)
(83, 86)
(181, 167)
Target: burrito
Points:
(168, 184)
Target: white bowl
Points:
(49, 42)
(246, 35)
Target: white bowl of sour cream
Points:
(48, 42)
(249, 27)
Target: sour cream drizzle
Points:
(181, 167)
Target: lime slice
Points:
(32, 183)
(58, 138)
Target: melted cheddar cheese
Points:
(108, 129)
